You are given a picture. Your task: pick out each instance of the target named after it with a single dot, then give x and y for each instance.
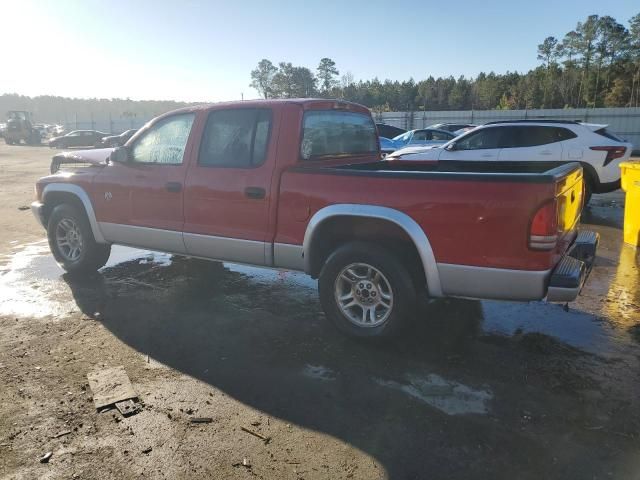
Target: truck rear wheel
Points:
(366, 291)
(72, 243)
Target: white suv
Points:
(598, 150)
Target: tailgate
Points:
(569, 198)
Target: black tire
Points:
(402, 311)
(92, 255)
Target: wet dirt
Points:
(477, 390)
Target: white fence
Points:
(624, 122)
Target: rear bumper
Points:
(562, 284)
(37, 208)
(569, 276)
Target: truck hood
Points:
(95, 156)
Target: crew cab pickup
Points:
(300, 185)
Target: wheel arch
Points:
(590, 174)
(57, 193)
(321, 221)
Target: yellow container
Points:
(631, 185)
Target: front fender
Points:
(82, 195)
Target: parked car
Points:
(387, 146)
(452, 127)
(42, 130)
(298, 184)
(422, 137)
(118, 140)
(457, 133)
(389, 131)
(552, 142)
(78, 138)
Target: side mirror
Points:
(451, 147)
(119, 155)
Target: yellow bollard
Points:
(631, 186)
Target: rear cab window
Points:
(331, 134)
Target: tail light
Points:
(612, 153)
(543, 233)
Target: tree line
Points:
(595, 65)
(49, 108)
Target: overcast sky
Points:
(204, 51)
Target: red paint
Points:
(481, 223)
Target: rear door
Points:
(483, 145)
(228, 187)
(532, 143)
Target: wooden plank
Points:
(109, 386)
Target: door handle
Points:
(487, 155)
(256, 193)
(173, 186)
(545, 152)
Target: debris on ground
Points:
(201, 420)
(245, 463)
(46, 457)
(24, 207)
(128, 407)
(62, 434)
(110, 386)
(256, 434)
(147, 450)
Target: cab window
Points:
(330, 133)
(165, 142)
(235, 138)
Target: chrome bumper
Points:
(37, 208)
(569, 276)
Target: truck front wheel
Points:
(72, 243)
(366, 291)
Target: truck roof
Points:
(306, 103)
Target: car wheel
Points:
(72, 243)
(366, 291)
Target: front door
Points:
(482, 145)
(227, 190)
(140, 202)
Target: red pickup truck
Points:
(300, 185)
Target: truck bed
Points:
(538, 172)
(474, 213)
